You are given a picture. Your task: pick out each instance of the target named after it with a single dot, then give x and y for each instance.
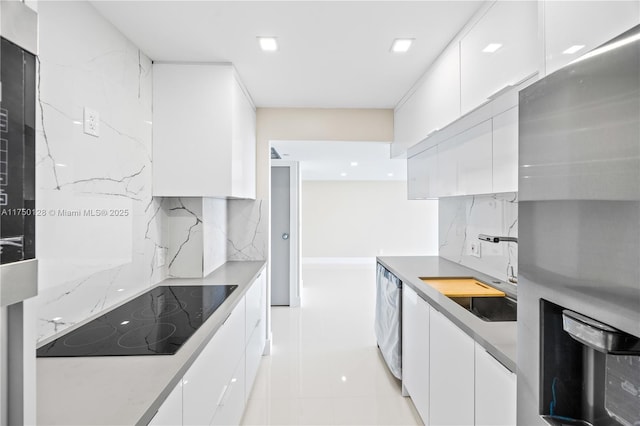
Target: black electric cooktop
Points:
(157, 322)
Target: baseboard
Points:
(338, 260)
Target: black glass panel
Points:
(17, 154)
(158, 322)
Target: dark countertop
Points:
(127, 390)
(498, 338)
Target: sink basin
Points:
(490, 308)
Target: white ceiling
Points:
(332, 53)
(322, 160)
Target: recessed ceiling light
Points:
(389, 174)
(120, 290)
(354, 163)
(125, 322)
(492, 47)
(57, 319)
(573, 49)
(401, 45)
(343, 174)
(268, 44)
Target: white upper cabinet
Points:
(583, 25)
(505, 151)
(435, 102)
(422, 174)
(499, 50)
(465, 162)
(203, 132)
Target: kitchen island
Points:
(127, 390)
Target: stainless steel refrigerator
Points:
(579, 249)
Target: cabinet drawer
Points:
(209, 375)
(230, 403)
(254, 351)
(255, 305)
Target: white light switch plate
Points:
(91, 122)
(474, 249)
(161, 257)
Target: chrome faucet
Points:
(494, 239)
(512, 278)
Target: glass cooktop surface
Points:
(157, 322)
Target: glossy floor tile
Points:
(325, 367)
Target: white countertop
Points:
(127, 390)
(498, 338)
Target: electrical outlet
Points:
(91, 122)
(474, 248)
(161, 257)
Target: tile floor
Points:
(325, 367)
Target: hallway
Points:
(325, 367)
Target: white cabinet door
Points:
(495, 391)
(415, 350)
(465, 162)
(203, 132)
(434, 103)
(230, 405)
(170, 412)
(254, 306)
(511, 28)
(208, 377)
(505, 151)
(475, 160)
(583, 26)
(451, 373)
(243, 167)
(447, 168)
(422, 174)
(255, 345)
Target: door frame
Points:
(295, 247)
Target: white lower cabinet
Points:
(170, 414)
(415, 350)
(495, 391)
(451, 379)
(206, 381)
(230, 406)
(214, 390)
(451, 373)
(257, 338)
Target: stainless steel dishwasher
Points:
(388, 321)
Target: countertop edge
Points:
(234, 299)
(477, 329)
(141, 411)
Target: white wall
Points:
(366, 219)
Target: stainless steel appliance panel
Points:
(579, 129)
(579, 214)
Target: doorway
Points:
(285, 233)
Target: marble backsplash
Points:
(98, 240)
(90, 260)
(461, 219)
